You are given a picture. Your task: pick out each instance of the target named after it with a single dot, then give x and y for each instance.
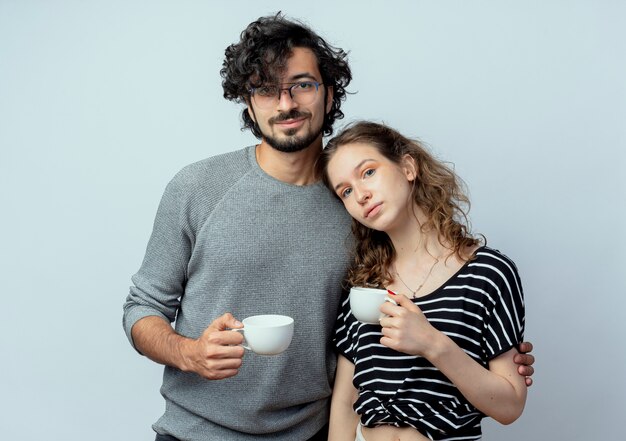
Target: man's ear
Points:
(409, 167)
(250, 110)
(330, 93)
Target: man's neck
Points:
(296, 168)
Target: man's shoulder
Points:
(218, 170)
(224, 163)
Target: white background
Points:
(102, 102)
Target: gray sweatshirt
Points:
(229, 238)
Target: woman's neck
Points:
(412, 243)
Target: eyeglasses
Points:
(303, 93)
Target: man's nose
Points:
(285, 100)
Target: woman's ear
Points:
(409, 167)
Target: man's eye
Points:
(266, 91)
(346, 192)
(305, 85)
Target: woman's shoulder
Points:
(494, 259)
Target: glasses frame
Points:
(289, 89)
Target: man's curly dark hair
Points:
(261, 56)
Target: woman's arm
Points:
(343, 419)
(499, 392)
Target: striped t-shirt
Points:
(481, 308)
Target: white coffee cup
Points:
(267, 334)
(365, 303)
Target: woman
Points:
(442, 358)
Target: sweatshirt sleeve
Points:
(159, 284)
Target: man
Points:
(251, 232)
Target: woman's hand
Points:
(406, 328)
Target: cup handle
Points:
(243, 345)
(390, 300)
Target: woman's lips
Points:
(374, 210)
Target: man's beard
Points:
(292, 143)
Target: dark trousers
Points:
(322, 435)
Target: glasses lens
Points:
(265, 96)
(302, 93)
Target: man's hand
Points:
(525, 362)
(215, 355)
(212, 355)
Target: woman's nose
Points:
(362, 195)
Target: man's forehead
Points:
(299, 64)
(301, 60)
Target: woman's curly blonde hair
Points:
(437, 190)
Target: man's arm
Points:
(214, 355)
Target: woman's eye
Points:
(369, 172)
(346, 192)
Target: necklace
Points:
(414, 291)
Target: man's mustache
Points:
(292, 114)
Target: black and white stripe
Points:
(481, 308)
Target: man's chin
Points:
(291, 132)
(291, 143)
